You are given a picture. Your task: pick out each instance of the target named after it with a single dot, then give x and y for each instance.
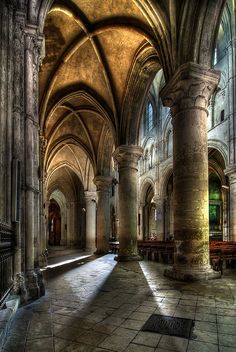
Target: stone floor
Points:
(99, 305)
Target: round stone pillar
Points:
(187, 94)
(231, 173)
(103, 184)
(127, 157)
(90, 199)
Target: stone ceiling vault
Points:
(100, 59)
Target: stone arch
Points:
(147, 210)
(218, 196)
(65, 181)
(221, 147)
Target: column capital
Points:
(191, 87)
(90, 196)
(128, 156)
(103, 183)
(230, 171)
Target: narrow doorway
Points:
(54, 224)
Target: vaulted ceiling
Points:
(100, 59)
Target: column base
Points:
(19, 287)
(128, 258)
(40, 282)
(31, 284)
(191, 275)
(90, 249)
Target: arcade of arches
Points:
(117, 123)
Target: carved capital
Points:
(190, 88)
(127, 156)
(103, 183)
(90, 196)
(231, 173)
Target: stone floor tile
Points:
(227, 349)
(204, 336)
(206, 303)
(226, 320)
(205, 326)
(91, 337)
(165, 311)
(197, 346)
(40, 345)
(185, 308)
(150, 303)
(227, 340)
(69, 333)
(98, 349)
(226, 329)
(59, 344)
(140, 316)
(121, 313)
(205, 317)
(170, 300)
(132, 324)
(139, 348)
(130, 307)
(75, 347)
(147, 338)
(183, 314)
(104, 327)
(116, 321)
(228, 312)
(145, 309)
(173, 343)
(116, 343)
(125, 332)
(188, 302)
(155, 298)
(189, 296)
(206, 310)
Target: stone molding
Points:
(191, 87)
(127, 156)
(90, 196)
(103, 183)
(231, 173)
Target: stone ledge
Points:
(6, 314)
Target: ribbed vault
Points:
(100, 60)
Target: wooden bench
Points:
(222, 254)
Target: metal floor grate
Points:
(167, 325)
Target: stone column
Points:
(18, 145)
(32, 164)
(231, 173)
(127, 157)
(103, 184)
(187, 94)
(90, 199)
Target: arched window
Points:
(149, 117)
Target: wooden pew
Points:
(222, 253)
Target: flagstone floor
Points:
(98, 305)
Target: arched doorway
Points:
(218, 197)
(149, 222)
(54, 223)
(215, 208)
